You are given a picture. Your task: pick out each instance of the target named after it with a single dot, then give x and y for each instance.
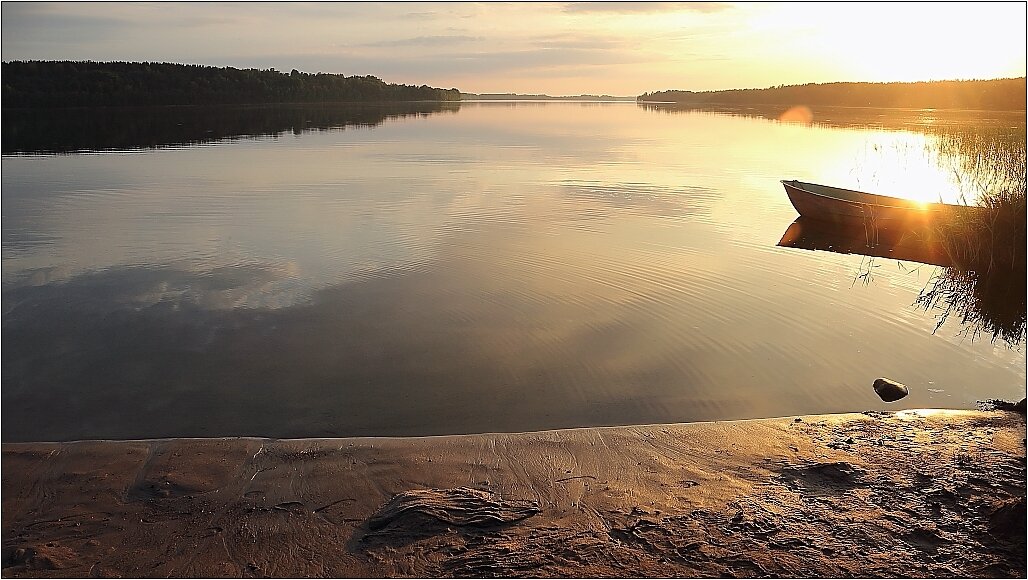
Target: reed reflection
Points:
(987, 302)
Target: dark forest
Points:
(79, 84)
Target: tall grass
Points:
(986, 285)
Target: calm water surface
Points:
(481, 267)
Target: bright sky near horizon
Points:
(617, 48)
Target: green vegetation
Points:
(986, 286)
(79, 84)
(992, 95)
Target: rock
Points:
(461, 506)
(48, 557)
(1001, 405)
(1007, 518)
(890, 391)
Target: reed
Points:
(986, 286)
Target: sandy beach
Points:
(905, 494)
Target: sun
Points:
(896, 42)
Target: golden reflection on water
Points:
(898, 164)
(555, 264)
(901, 163)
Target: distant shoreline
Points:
(714, 105)
(89, 83)
(996, 94)
(543, 97)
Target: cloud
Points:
(645, 7)
(418, 15)
(538, 59)
(585, 42)
(31, 24)
(196, 21)
(438, 40)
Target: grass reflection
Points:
(982, 253)
(989, 304)
(986, 301)
(985, 287)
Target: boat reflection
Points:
(910, 245)
(988, 303)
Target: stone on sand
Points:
(890, 390)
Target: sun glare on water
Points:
(897, 164)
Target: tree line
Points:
(88, 83)
(989, 95)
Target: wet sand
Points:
(902, 494)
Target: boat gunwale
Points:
(903, 205)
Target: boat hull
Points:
(823, 203)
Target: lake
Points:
(427, 269)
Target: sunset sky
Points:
(618, 48)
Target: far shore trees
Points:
(991, 95)
(88, 83)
